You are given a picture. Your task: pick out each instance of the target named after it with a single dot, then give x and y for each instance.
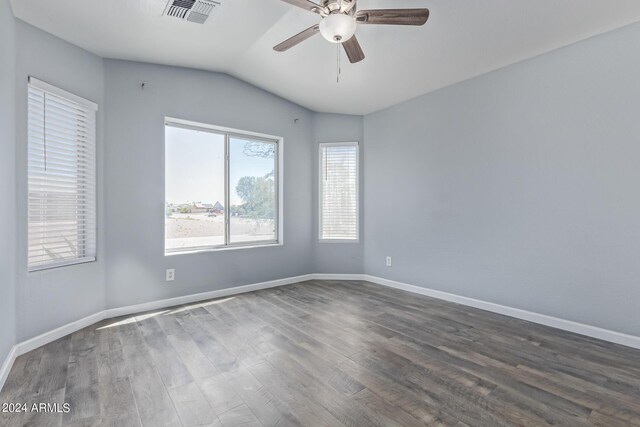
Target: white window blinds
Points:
(61, 177)
(339, 191)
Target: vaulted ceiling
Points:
(462, 39)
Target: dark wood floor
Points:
(326, 354)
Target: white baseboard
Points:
(6, 366)
(323, 276)
(64, 330)
(554, 322)
(567, 325)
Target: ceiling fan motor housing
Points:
(339, 5)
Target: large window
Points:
(221, 188)
(61, 177)
(339, 191)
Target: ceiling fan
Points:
(340, 20)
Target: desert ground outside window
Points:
(222, 188)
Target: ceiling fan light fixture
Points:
(338, 28)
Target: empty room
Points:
(319, 213)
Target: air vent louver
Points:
(191, 10)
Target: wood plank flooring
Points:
(324, 353)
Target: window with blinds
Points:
(339, 191)
(61, 177)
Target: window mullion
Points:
(227, 192)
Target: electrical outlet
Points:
(171, 274)
(388, 261)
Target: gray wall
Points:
(7, 180)
(519, 187)
(336, 257)
(134, 159)
(51, 298)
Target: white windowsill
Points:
(223, 249)
(51, 266)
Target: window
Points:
(221, 188)
(61, 177)
(339, 191)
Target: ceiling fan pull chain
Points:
(339, 70)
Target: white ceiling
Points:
(462, 39)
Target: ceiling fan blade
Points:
(298, 38)
(353, 49)
(393, 16)
(307, 5)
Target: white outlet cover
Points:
(171, 274)
(388, 261)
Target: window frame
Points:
(229, 133)
(91, 106)
(321, 145)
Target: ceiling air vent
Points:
(191, 10)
